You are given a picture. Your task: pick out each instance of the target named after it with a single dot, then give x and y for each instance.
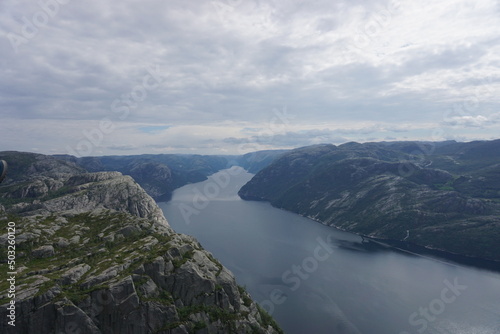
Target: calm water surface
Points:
(315, 279)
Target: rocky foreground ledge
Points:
(94, 254)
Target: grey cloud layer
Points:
(383, 63)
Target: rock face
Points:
(150, 175)
(94, 254)
(379, 190)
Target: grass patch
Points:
(178, 262)
(215, 313)
(217, 263)
(247, 301)
(77, 295)
(267, 320)
(199, 325)
(164, 298)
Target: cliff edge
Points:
(94, 254)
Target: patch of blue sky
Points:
(153, 128)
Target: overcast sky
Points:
(232, 76)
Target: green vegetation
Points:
(178, 262)
(214, 313)
(101, 253)
(98, 253)
(267, 320)
(247, 301)
(77, 294)
(448, 186)
(217, 263)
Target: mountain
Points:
(94, 254)
(161, 174)
(158, 174)
(394, 191)
(253, 162)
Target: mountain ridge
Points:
(381, 191)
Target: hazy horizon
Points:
(238, 154)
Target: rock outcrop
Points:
(94, 254)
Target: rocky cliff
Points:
(94, 254)
(158, 174)
(381, 191)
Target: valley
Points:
(316, 278)
(408, 240)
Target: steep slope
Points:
(370, 189)
(94, 254)
(255, 161)
(158, 174)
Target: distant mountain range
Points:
(161, 174)
(440, 195)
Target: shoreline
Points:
(445, 257)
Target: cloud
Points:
(478, 121)
(294, 137)
(386, 63)
(468, 121)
